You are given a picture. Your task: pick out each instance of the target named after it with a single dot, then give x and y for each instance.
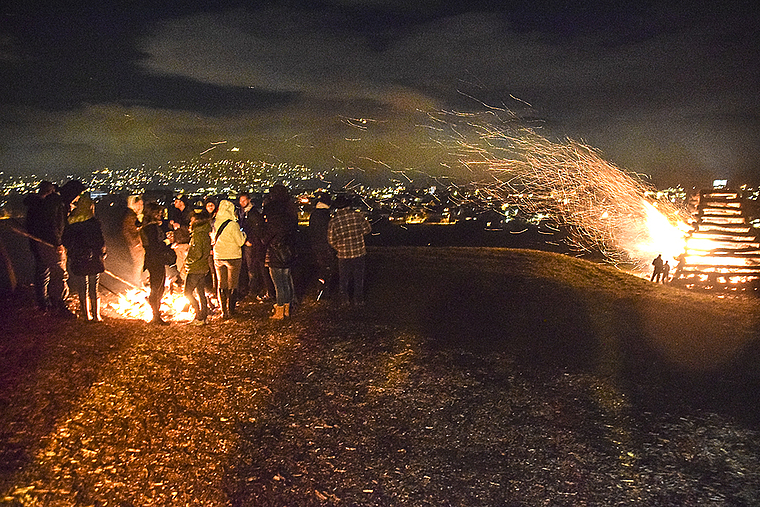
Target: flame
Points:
(604, 208)
(133, 304)
(662, 235)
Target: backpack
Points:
(281, 251)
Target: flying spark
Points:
(603, 207)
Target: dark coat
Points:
(53, 214)
(281, 226)
(85, 247)
(252, 223)
(320, 247)
(152, 237)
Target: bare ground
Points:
(473, 377)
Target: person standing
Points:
(227, 245)
(657, 271)
(49, 252)
(210, 206)
(179, 214)
(152, 237)
(252, 274)
(85, 251)
(324, 255)
(280, 229)
(179, 236)
(345, 233)
(35, 226)
(130, 231)
(196, 265)
(665, 272)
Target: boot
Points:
(279, 312)
(234, 297)
(224, 300)
(286, 310)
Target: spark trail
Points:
(602, 206)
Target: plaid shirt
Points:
(346, 231)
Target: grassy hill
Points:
(472, 377)
(564, 310)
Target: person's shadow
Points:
(657, 356)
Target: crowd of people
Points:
(231, 248)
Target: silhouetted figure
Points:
(85, 251)
(324, 255)
(209, 204)
(665, 272)
(179, 237)
(35, 226)
(345, 233)
(657, 271)
(46, 219)
(253, 275)
(152, 237)
(281, 228)
(179, 214)
(130, 232)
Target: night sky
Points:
(670, 91)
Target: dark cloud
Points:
(658, 89)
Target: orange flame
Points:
(133, 304)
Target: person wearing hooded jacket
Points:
(85, 248)
(196, 264)
(228, 240)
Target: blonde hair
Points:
(84, 209)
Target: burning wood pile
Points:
(722, 251)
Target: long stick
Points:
(35, 238)
(122, 280)
(42, 241)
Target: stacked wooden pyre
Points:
(722, 252)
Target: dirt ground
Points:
(473, 377)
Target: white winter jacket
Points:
(228, 245)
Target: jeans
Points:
(196, 282)
(49, 276)
(86, 287)
(283, 285)
(352, 270)
(252, 276)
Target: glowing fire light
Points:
(602, 206)
(133, 304)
